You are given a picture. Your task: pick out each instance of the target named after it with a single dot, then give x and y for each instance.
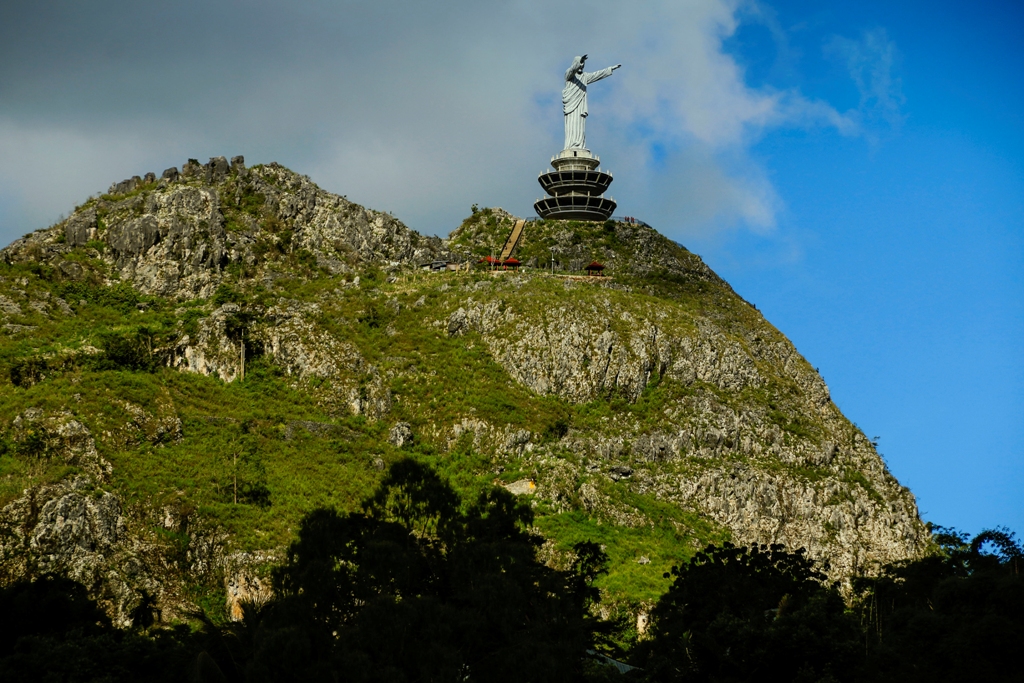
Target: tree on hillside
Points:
(51, 630)
(955, 615)
(421, 586)
(742, 614)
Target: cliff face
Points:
(747, 433)
(190, 364)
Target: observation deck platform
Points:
(576, 188)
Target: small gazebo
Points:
(594, 268)
(510, 263)
(490, 261)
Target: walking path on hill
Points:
(513, 239)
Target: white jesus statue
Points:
(574, 100)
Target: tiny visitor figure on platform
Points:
(574, 100)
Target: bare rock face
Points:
(854, 529)
(798, 474)
(288, 334)
(580, 353)
(80, 529)
(372, 397)
(505, 440)
(75, 526)
(169, 243)
(9, 307)
(74, 529)
(177, 237)
(400, 434)
(211, 351)
(81, 228)
(243, 585)
(303, 349)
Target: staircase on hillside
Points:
(513, 239)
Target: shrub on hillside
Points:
(130, 349)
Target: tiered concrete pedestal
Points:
(576, 188)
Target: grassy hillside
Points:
(653, 410)
(305, 455)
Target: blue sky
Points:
(897, 262)
(856, 170)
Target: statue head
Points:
(576, 68)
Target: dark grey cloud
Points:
(417, 108)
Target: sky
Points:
(856, 170)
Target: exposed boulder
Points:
(80, 228)
(400, 434)
(216, 170)
(191, 169)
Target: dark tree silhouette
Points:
(955, 615)
(50, 630)
(741, 614)
(418, 586)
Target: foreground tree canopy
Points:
(417, 588)
(423, 585)
(736, 613)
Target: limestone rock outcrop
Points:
(783, 468)
(177, 237)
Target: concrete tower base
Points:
(576, 188)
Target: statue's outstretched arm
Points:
(598, 75)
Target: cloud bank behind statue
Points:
(370, 103)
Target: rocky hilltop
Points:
(191, 363)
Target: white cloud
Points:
(871, 62)
(416, 108)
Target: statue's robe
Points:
(574, 106)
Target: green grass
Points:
(858, 478)
(302, 472)
(673, 536)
